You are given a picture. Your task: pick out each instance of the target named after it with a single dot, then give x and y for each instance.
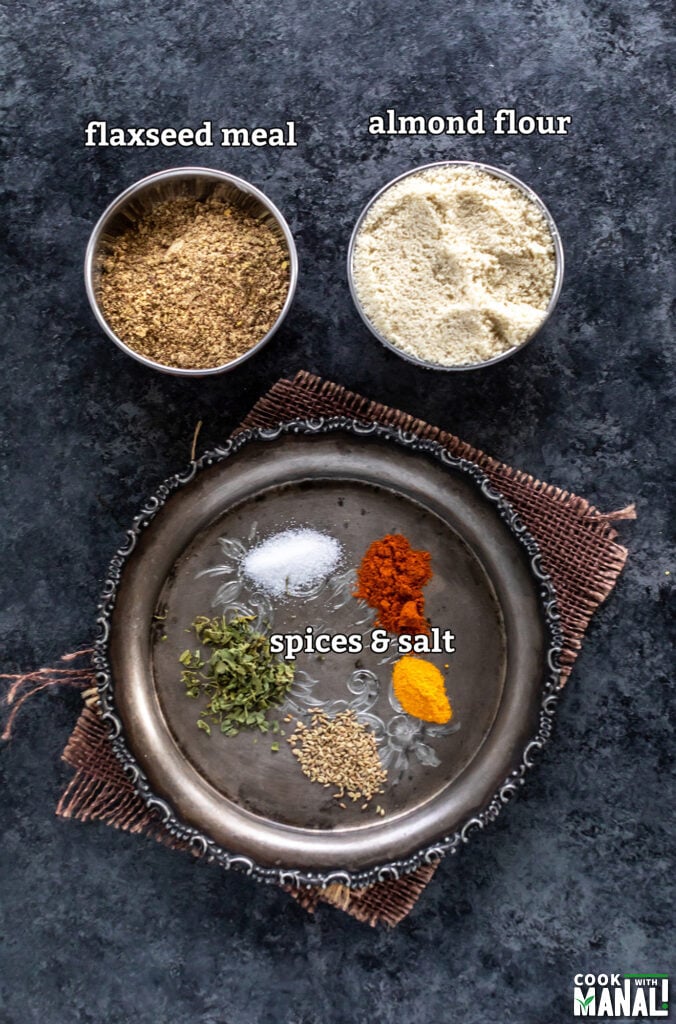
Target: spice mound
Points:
(292, 563)
(419, 688)
(238, 675)
(454, 265)
(193, 284)
(340, 752)
(390, 579)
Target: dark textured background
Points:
(105, 928)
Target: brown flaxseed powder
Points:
(194, 284)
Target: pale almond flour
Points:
(454, 265)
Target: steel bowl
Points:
(498, 173)
(200, 183)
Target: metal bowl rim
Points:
(505, 176)
(186, 172)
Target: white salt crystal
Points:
(294, 562)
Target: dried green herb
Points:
(237, 673)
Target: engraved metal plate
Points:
(234, 798)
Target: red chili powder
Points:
(390, 579)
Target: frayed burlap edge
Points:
(99, 791)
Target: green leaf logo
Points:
(585, 1002)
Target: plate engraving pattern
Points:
(399, 737)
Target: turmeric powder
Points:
(419, 688)
(390, 579)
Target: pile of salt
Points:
(292, 563)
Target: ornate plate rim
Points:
(429, 854)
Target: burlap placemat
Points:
(578, 549)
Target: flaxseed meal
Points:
(194, 284)
(454, 265)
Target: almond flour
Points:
(454, 265)
(194, 284)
